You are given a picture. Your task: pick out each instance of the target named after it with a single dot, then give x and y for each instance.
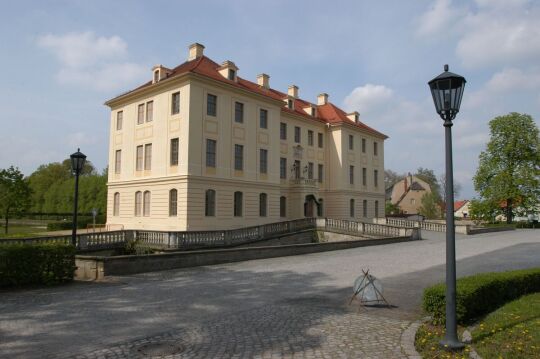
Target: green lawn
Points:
(22, 230)
(512, 331)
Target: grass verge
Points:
(512, 331)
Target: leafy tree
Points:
(429, 206)
(483, 210)
(390, 208)
(15, 194)
(509, 170)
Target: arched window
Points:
(173, 202)
(146, 204)
(351, 208)
(210, 203)
(116, 204)
(238, 203)
(138, 203)
(320, 208)
(283, 206)
(263, 199)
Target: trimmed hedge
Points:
(22, 264)
(481, 294)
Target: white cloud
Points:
(368, 98)
(91, 61)
(84, 49)
(108, 78)
(441, 15)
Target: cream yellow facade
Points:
(179, 155)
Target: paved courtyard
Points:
(294, 307)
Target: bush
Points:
(481, 294)
(22, 264)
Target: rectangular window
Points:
(375, 149)
(263, 199)
(239, 157)
(321, 173)
(310, 170)
(297, 134)
(211, 105)
(238, 199)
(351, 142)
(376, 178)
(364, 176)
(351, 208)
(310, 138)
(296, 169)
(140, 158)
(364, 208)
(231, 74)
(148, 156)
(238, 112)
(363, 145)
(210, 203)
(283, 131)
(283, 206)
(149, 111)
(263, 116)
(140, 114)
(117, 161)
(283, 168)
(119, 120)
(175, 103)
(174, 151)
(351, 174)
(210, 153)
(376, 208)
(263, 161)
(320, 138)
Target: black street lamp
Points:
(77, 163)
(447, 90)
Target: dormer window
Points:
(228, 70)
(289, 102)
(313, 111)
(159, 72)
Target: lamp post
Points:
(77, 163)
(447, 91)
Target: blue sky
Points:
(61, 60)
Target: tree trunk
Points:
(509, 211)
(7, 220)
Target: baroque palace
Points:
(199, 148)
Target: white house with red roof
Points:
(198, 147)
(461, 209)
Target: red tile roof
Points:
(459, 204)
(327, 113)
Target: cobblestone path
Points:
(304, 329)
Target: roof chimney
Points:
(293, 91)
(263, 80)
(322, 99)
(196, 50)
